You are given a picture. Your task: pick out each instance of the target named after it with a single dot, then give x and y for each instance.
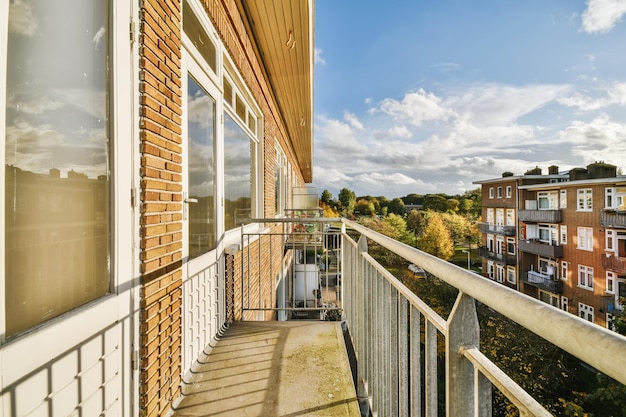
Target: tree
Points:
(459, 226)
(435, 202)
(364, 207)
(453, 205)
(326, 197)
(414, 199)
(347, 198)
(436, 239)
(396, 207)
(415, 222)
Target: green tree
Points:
(396, 206)
(326, 197)
(459, 226)
(453, 205)
(435, 202)
(436, 239)
(415, 222)
(413, 199)
(364, 207)
(347, 198)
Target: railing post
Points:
(360, 307)
(466, 394)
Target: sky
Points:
(428, 96)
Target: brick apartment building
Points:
(137, 134)
(559, 237)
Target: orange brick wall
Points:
(161, 185)
(161, 205)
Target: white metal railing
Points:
(383, 319)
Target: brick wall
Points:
(161, 205)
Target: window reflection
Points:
(201, 136)
(57, 227)
(238, 169)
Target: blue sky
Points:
(426, 96)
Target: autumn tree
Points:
(436, 239)
(435, 202)
(364, 207)
(415, 222)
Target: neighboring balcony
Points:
(543, 281)
(498, 229)
(615, 263)
(540, 216)
(537, 247)
(505, 258)
(611, 218)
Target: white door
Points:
(67, 285)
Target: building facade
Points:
(569, 235)
(138, 137)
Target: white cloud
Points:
(400, 132)
(615, 95)
(318, 57)
(416, 107)
(602, 15)
(21, 19)
(353, 120)
(599, 139)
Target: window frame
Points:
(562, 199)
(586, 312)
(564, 270)
(584, 238)
(123, 130)
(491, 192)
(584, 199)
(509, 191)
(610, 282)
(563, 234)
(585, 277)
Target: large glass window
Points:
(585, 199)
(200, 202)
(57, 179)
(239, 168)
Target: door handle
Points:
(191, 200)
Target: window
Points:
(280, 181)
(547, 200)
(490, 269)
(491, 192)
(500, 273)
(500, 217)
(57, 163)
(510, 217)
(564, 304)
(200, 209)
(490, 216)
(609, 240)
(563, 199)
(549, 298)
(490, 244)
(585, 238)
(611, 279)
(547, 233)
(585, 312)
(609, 197)
(499, 244)
(585, 277)
(510, 274)
(564, 272)
(499, 192)
(509, 191)
(563, 234)
(510, 245)
(585, 199)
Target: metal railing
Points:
(384, 320)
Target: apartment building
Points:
(137, 136)
(570, 235)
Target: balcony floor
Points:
(292, 368)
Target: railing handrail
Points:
(539, 317)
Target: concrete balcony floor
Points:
(292, 368)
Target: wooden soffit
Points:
(283, 33)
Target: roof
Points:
(284, 43)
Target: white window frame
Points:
(584, 199)
(499, 192)
(563, 230)
(491, 192)
(500, 217)
(563, 199)
(611, 282)
(609, 197)
(500, 273)
(510, 275)
(552, 233)
(510, 217)
(280, 170)
(510, 243)
(491, 216)
(585, 277)
(564, 303)
(509, 191)
(564, 270)
(584, 238)
(610, 241)
(586, 312)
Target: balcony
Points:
(539, 248)
(393, 335)
(498, 229)
(505, 258)
(611, 218)
(543, 281)
(614, 263)
(540, 216)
